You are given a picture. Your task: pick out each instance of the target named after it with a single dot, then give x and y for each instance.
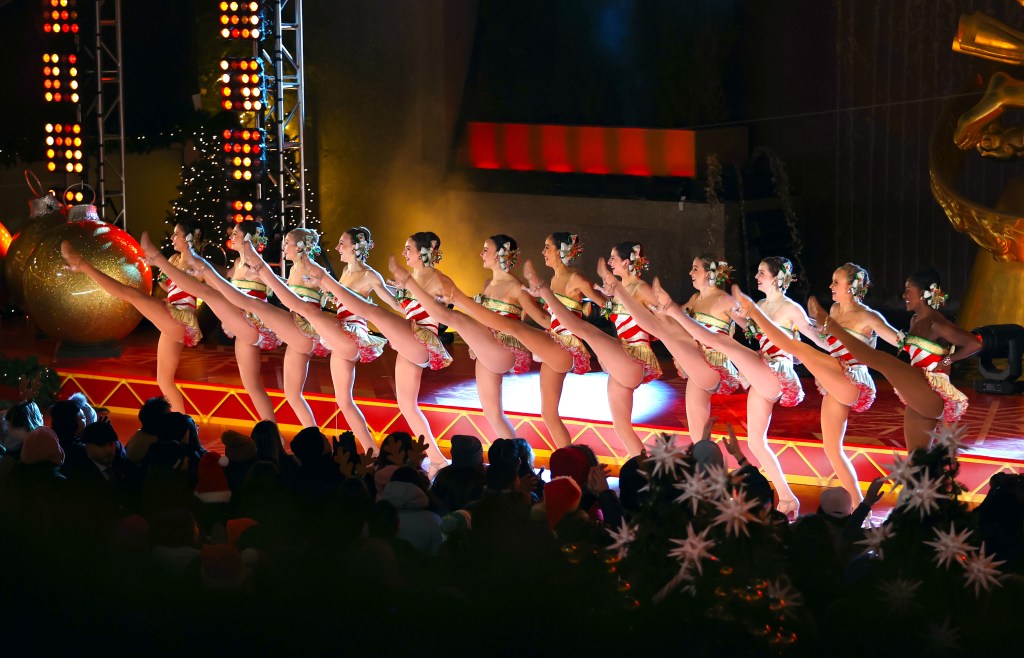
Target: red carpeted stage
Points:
(209, 380)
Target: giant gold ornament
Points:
(70, 306)
(23, 244)
(973, 124)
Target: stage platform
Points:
(209, 381)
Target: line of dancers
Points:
(698, 334)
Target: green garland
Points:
(30, 380)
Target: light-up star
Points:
(899, 593)
(694, 548)
(942, 639)
(923, 494)
(666, 456)
(716, 481)
(950, 546)
(784, 597)
(734, 513)
(875, 537)
(623, 537)
(903, 470)
(949, 437)
(692, 488)
(982, 570)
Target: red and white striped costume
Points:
(635, 341)
(267, 339)
(369, 346)
(425, 329)
(310, 296)
(855, 371)
(568, 340)
(728, 378)
(182, 307)
(524, 359)
(926, 355)
(781, 363)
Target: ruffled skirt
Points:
(953, 400)
(267, 339)
(188, 318)
(728, 378)
(370, 347)
(644, 355)
(861, 378)
(524, 359)
(574, 346)
(439, 356)
(792, 390)
(320, 348)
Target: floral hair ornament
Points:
(721, 272)
(258, 239)
(430, 255)
(508, 257)
(311, 250)
(362, 247)
(785, 276)
(638, 263)
(859, 285)
(571, 251)
(935, 297)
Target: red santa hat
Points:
(561, 496)
(212, 486)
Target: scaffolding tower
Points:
(107, 110)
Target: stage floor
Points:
(209, 379)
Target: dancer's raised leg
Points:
(394, 327)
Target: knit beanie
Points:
(237, 447)
(835, 502)
(42, 445)
(467, 451)
(569, 462)
(707, 453)
(561, 496)
(212, 485)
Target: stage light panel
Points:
(240, 210)
(242, 20)
(242, 84)
(245, 153)
(60, 77)
(60, 17)
(64, 148)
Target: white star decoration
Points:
(942, 639)
(787, 599)
(692, 488)
(922, 494)
(949, 437)
(666, 456)
(982, 570)
(903, 470)
(694, 548)
(623, 537)
(716, 481)
(875, 537)
(682, 576)
(950, 546)
(899, 593)
(734, 513)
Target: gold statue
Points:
(997, 284)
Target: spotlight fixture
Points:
(240, 210)
(242, 84)
(61, 17)
(245, 153)
(60, 78)
(241, 20)
(64, 147)
(1000, 341)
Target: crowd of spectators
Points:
(155, 545)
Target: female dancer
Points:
(346, 333)
(175, 317)
(707, 370)
(842, 379)
(496, 352)
(414, 337)
(627, 358)
(295, 331)
(931, 397)
(250, 334)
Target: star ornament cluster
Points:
(667, 458)
(950, 546)
(982, 570)
(692, 488)
(903, 470)
(875, 537)
(694, 549)
(734, 512)
(922, 494)
(950, 437)
(899, 593)
(716, 481)
(622, 538)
